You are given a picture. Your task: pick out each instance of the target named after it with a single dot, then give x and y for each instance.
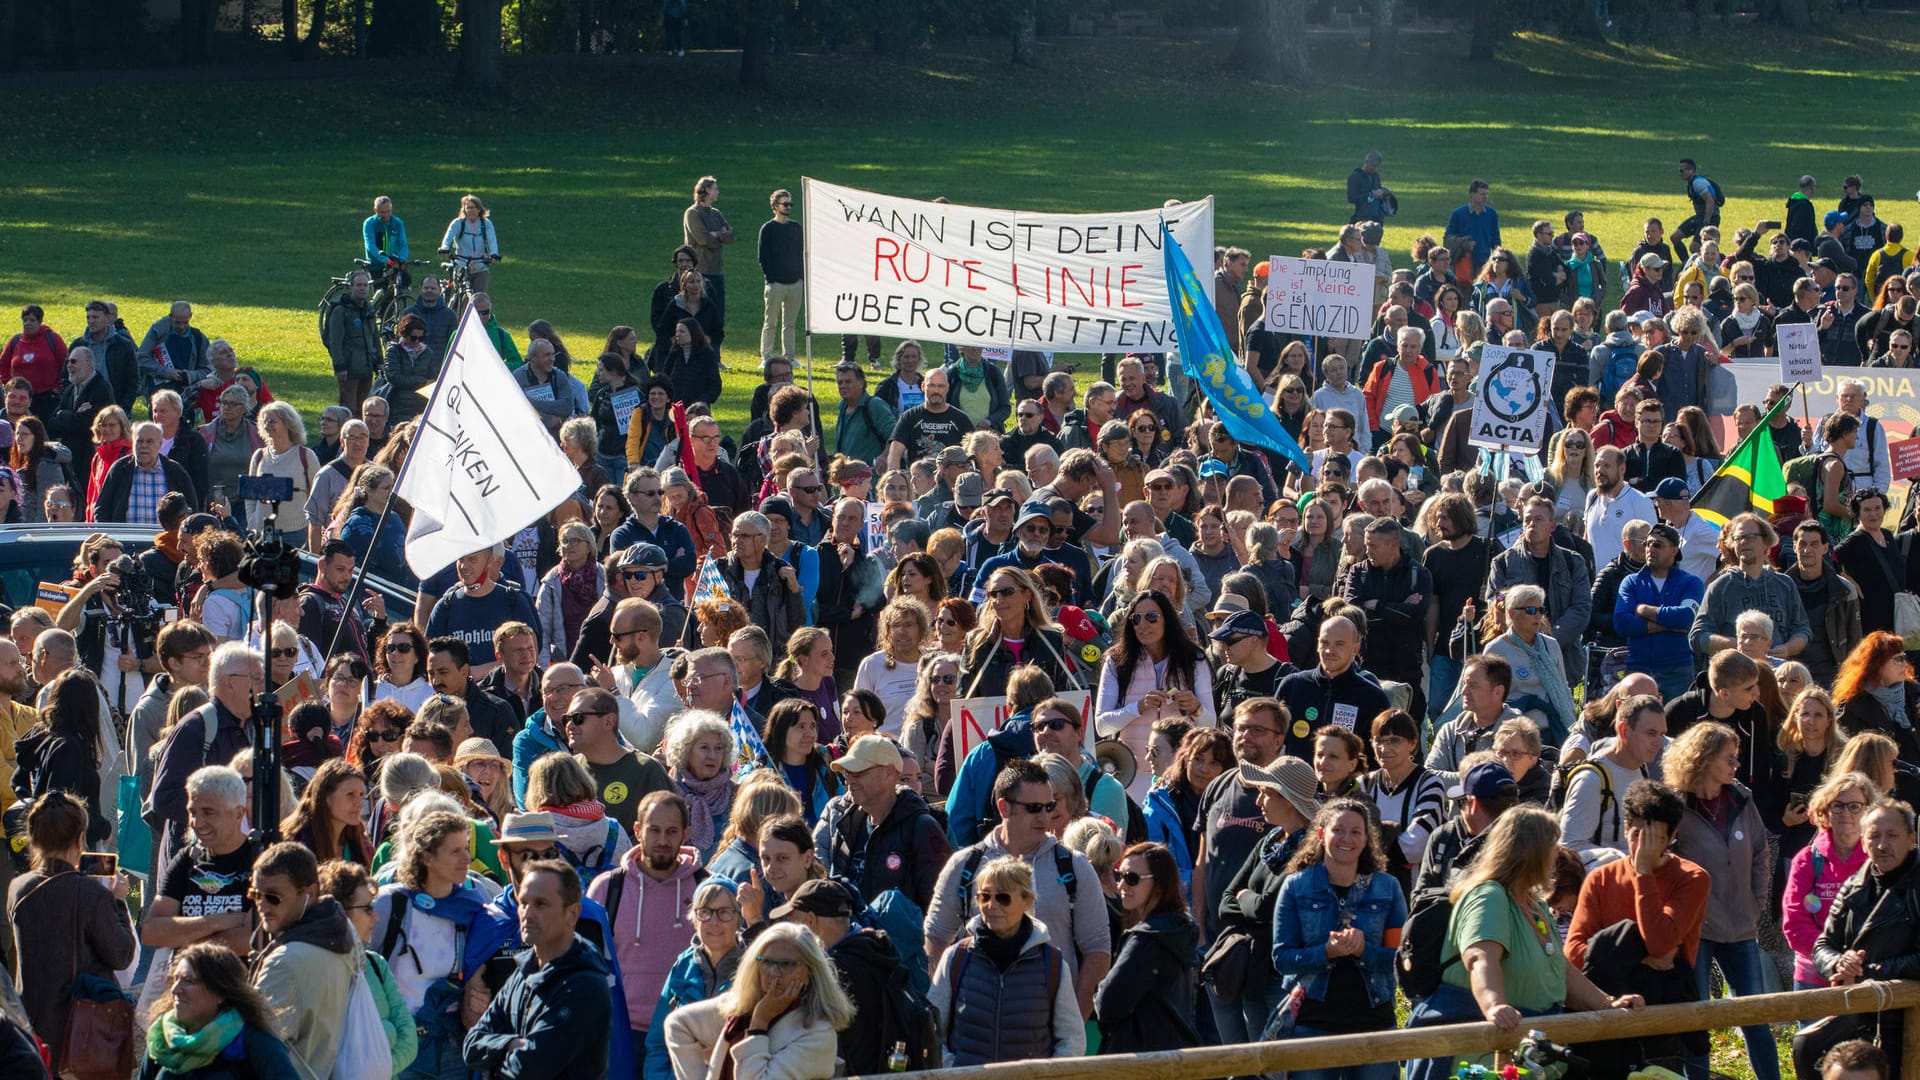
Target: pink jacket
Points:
(650, 925)
(1801, 917)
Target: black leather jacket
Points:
(1879, 914)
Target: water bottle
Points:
(897, 1061)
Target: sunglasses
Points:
(398, 648)
(778, 966)
(651, 493)
(1038, 808)
(573, 718)
(1532, 609)
(1001, 593)
(1131, 878)
(811, 489)
(270, 899)
(1058, 723)
(943, 680)
(523, 855)
(284, 654)
(375, 735)
(1148, 617)
(997, 899)
(636, 575)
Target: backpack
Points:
(598, 860)
(1805, 471)
(1563, 782)
(1134, 829)
(894, 914)
(363, 1051)
(963, 952)
(909, 1020)
(1719, 197)
(1420, 961)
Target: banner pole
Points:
(1806, 413)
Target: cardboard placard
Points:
(1319, 297)
(975, 718)
(1904, 457)
(1512, 400)
(1799, 352)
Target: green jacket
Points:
(352, 338)
(503, 343)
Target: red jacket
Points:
(1614, 430)
(1426, 383)
(39, 359)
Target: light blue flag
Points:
(752, 752)
(710, 585)
(1209, 360)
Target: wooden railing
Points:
(1467, 1040)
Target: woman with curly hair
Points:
(378, 735)
(1875, 691)
(437, 909)
(892, 670)
(917, 576)
(717, 619)
(699, 755)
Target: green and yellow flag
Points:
(1750, 478)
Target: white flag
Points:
(484, 465)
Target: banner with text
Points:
(1893, 394)
(1510, 402)
(880, 264)
(976, 718)
(1319, 298)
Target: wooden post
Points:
(1806, 411)
(1910, 1042)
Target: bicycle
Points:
(386, 293)
(456, 276)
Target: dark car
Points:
(31, 554)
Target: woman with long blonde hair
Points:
(892, 670)
(785, 1006)
(1014, 629)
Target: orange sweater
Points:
(1668, 904)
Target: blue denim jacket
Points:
(1309, 913)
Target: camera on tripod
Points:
(271, 564)
(135, 597)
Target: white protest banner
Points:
(976, 718)
(1893, 395)
(1799, 352)
(968, 275)
(1510, 405)
(1318, 297)
(483, 464)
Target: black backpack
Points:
(1421, 959)
(909, 1020)
(1134, 829)
(1719, 197)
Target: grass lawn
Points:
(243, 196)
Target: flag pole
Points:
(380, 523)
(1806, 412)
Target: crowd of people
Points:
(673, 782)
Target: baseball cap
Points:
(1672, 488)
(1033, 510)
(994, 495)
(1161, 474)
(969, 490)
(1837, 217)
(1403, 414)
(1581, 238)
(1665, 532)
(1261, 268)
(644, 554)
(533, 827)
(1240, 624)
(1822, 264)
(952, 455)
(866, 752)
(1211, 468)
(1652, 259)
(1484, 781)
(824, 897)
(197, 524)
(1801, 244)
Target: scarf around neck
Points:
(709, 799)
(181, 1052)
(972, 378)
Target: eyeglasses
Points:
(1002, 592)
(1037, 808)
(1514, 754)
(573, 718)
(270, 899)
(997, 899)
(284, 654)
(1058, 723)
(398, 648)
(1148, 617)
(1160, 485)
(380, 735)
(710, 914)
(1532, 609)
(1850, 808)
(483, 312)
(777, 965)
(1131, 878)
(519, 854)
(739, 536)
(943, 680)
(651, 493)
(1256, 729)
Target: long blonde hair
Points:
(988, 632)
(1518, 853)
(822, 1002)
(1686, 758)
(1792, 740)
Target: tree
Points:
(296, 48)
(1384, 38)
(1270, 44)
(196, 30)
(478, 70)
(1025, 29)
(756, 43)
(1481, 49)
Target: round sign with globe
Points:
(1513, 388)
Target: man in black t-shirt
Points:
(922, 430)
(203, 892)
(1250, 670)
(621, 774)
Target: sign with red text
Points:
(968, 275)
(976, 718)
(1319, 298)
(1904, 457)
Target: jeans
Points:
(783, 311)
(1379, 1070)
(616, 466)
(1740, 966)
(1443, 675)
(1673, 681)
(1244, 1021)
